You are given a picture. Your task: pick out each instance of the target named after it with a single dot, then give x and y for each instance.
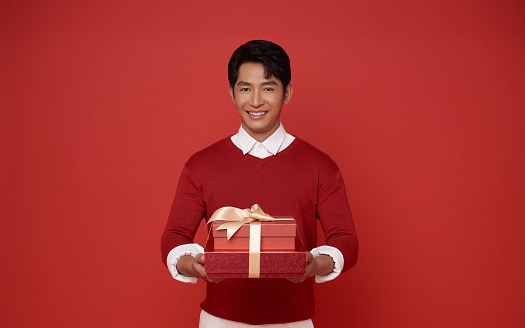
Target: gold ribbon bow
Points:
(235, 218)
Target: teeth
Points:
(257, 113)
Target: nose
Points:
(256, 100)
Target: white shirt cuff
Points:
(178, 252)
(338, 258)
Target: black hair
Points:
(272, 56)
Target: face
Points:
(259, 100)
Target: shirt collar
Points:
(272, 143)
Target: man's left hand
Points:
(316, 266)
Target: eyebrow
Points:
(242, 83)
(270, 83)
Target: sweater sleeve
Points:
(335, 216)
(186, 213)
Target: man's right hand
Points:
(194, 267)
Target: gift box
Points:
(252, 244)
(272, 264)
(276, 235)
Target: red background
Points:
(419, 102)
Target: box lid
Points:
(285, 228)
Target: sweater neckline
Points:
(261, 161)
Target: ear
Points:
(231, 94)
(288, 93)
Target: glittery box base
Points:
(273, 264)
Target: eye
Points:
(245, 89)
(268, 89)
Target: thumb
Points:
(309, 257)
(199, 258)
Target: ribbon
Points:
(235, 218)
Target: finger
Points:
(199, 269)
(309, 257)
(296, 280)
(214, 280)
(309, 268)
(199, 258)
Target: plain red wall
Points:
(419, 102)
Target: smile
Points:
(256, 113)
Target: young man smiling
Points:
(259, 100)
(261, 164)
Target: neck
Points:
(260, 136)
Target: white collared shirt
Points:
(278, 141)
(275, 143)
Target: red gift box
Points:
(272, 265)
(275, 236)
(252, 229)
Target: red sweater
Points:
(299, 181)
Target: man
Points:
(283, 174)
